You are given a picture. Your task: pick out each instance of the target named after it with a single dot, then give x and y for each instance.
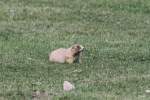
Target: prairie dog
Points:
(66, 55)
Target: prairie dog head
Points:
(76, 49)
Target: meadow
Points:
(116, 36)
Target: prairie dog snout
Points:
(68, 55)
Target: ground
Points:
(116, 36)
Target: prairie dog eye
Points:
(76, 48)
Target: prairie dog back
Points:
(58, 55)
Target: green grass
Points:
(115, 33)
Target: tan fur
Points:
(66, 55)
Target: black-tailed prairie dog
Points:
(66, 55)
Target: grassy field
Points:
(115, 33)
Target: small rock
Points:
(147, 91)
(67, 86)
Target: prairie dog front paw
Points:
(70, 60)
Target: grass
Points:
(115, 33)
